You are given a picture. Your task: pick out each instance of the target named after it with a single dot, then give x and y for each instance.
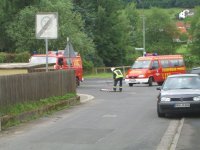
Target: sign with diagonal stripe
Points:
(47, 25)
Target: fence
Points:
(107, 69)
(35, 86)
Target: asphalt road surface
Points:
(111, 121)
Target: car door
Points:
(155, 70)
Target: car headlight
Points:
(165, 99)
(197, 98)
(141, 76)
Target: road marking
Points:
(171, 136)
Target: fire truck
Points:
(75, 63)
(61, 61)
(150, 68)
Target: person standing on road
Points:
(117, 76)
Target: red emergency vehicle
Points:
(149, 69)
(61, 62)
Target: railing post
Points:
(0, 123)
(96, 70)
(124, 70)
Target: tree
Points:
(132, 32)
(114, 31)
(160, 31)
(22, 30)
(88, 10)
(8, 11)
(195, 32)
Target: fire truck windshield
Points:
(141, 64)
(42, 59)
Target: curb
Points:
(171, 136)
(85, 97)
(6, 121)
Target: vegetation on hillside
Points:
(104, 32)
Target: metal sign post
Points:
(141, 49)
(46, 46)
(47, 28)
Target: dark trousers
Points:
(115, 84)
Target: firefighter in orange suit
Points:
(118, 77)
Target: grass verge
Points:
(28, 106)
(24, 112)
(99, 75)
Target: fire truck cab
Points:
(149, 69)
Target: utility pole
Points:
(143, 22)
(143, 31)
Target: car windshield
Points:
(183, 82)
(140, 64)
(42, 59)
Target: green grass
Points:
(28, 106)
(99, 75)
(183, 50)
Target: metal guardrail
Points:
(108, 69)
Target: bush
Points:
(191, 61)
(10, 57)
(87, 66)
(2, 57)
(22, 57)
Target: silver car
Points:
(195, 70)
(179, 94)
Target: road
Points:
(111, 121)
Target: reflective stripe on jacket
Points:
(118, 73)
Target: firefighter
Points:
(117, 76)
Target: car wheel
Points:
(150, 81)
(160, 114)
(130, 84)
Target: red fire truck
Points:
(61, 61)
(149, 69)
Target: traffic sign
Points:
(139, 49)
(47, 25)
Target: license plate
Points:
(132, 80)
(182, 105)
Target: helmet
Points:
(112, 69)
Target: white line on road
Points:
(171, 136)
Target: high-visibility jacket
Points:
(117, 74)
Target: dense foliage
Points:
(195, 32)
(165, 3)
(104, 32)
(159, 32)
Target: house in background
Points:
(185, 13)
(183, 35)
